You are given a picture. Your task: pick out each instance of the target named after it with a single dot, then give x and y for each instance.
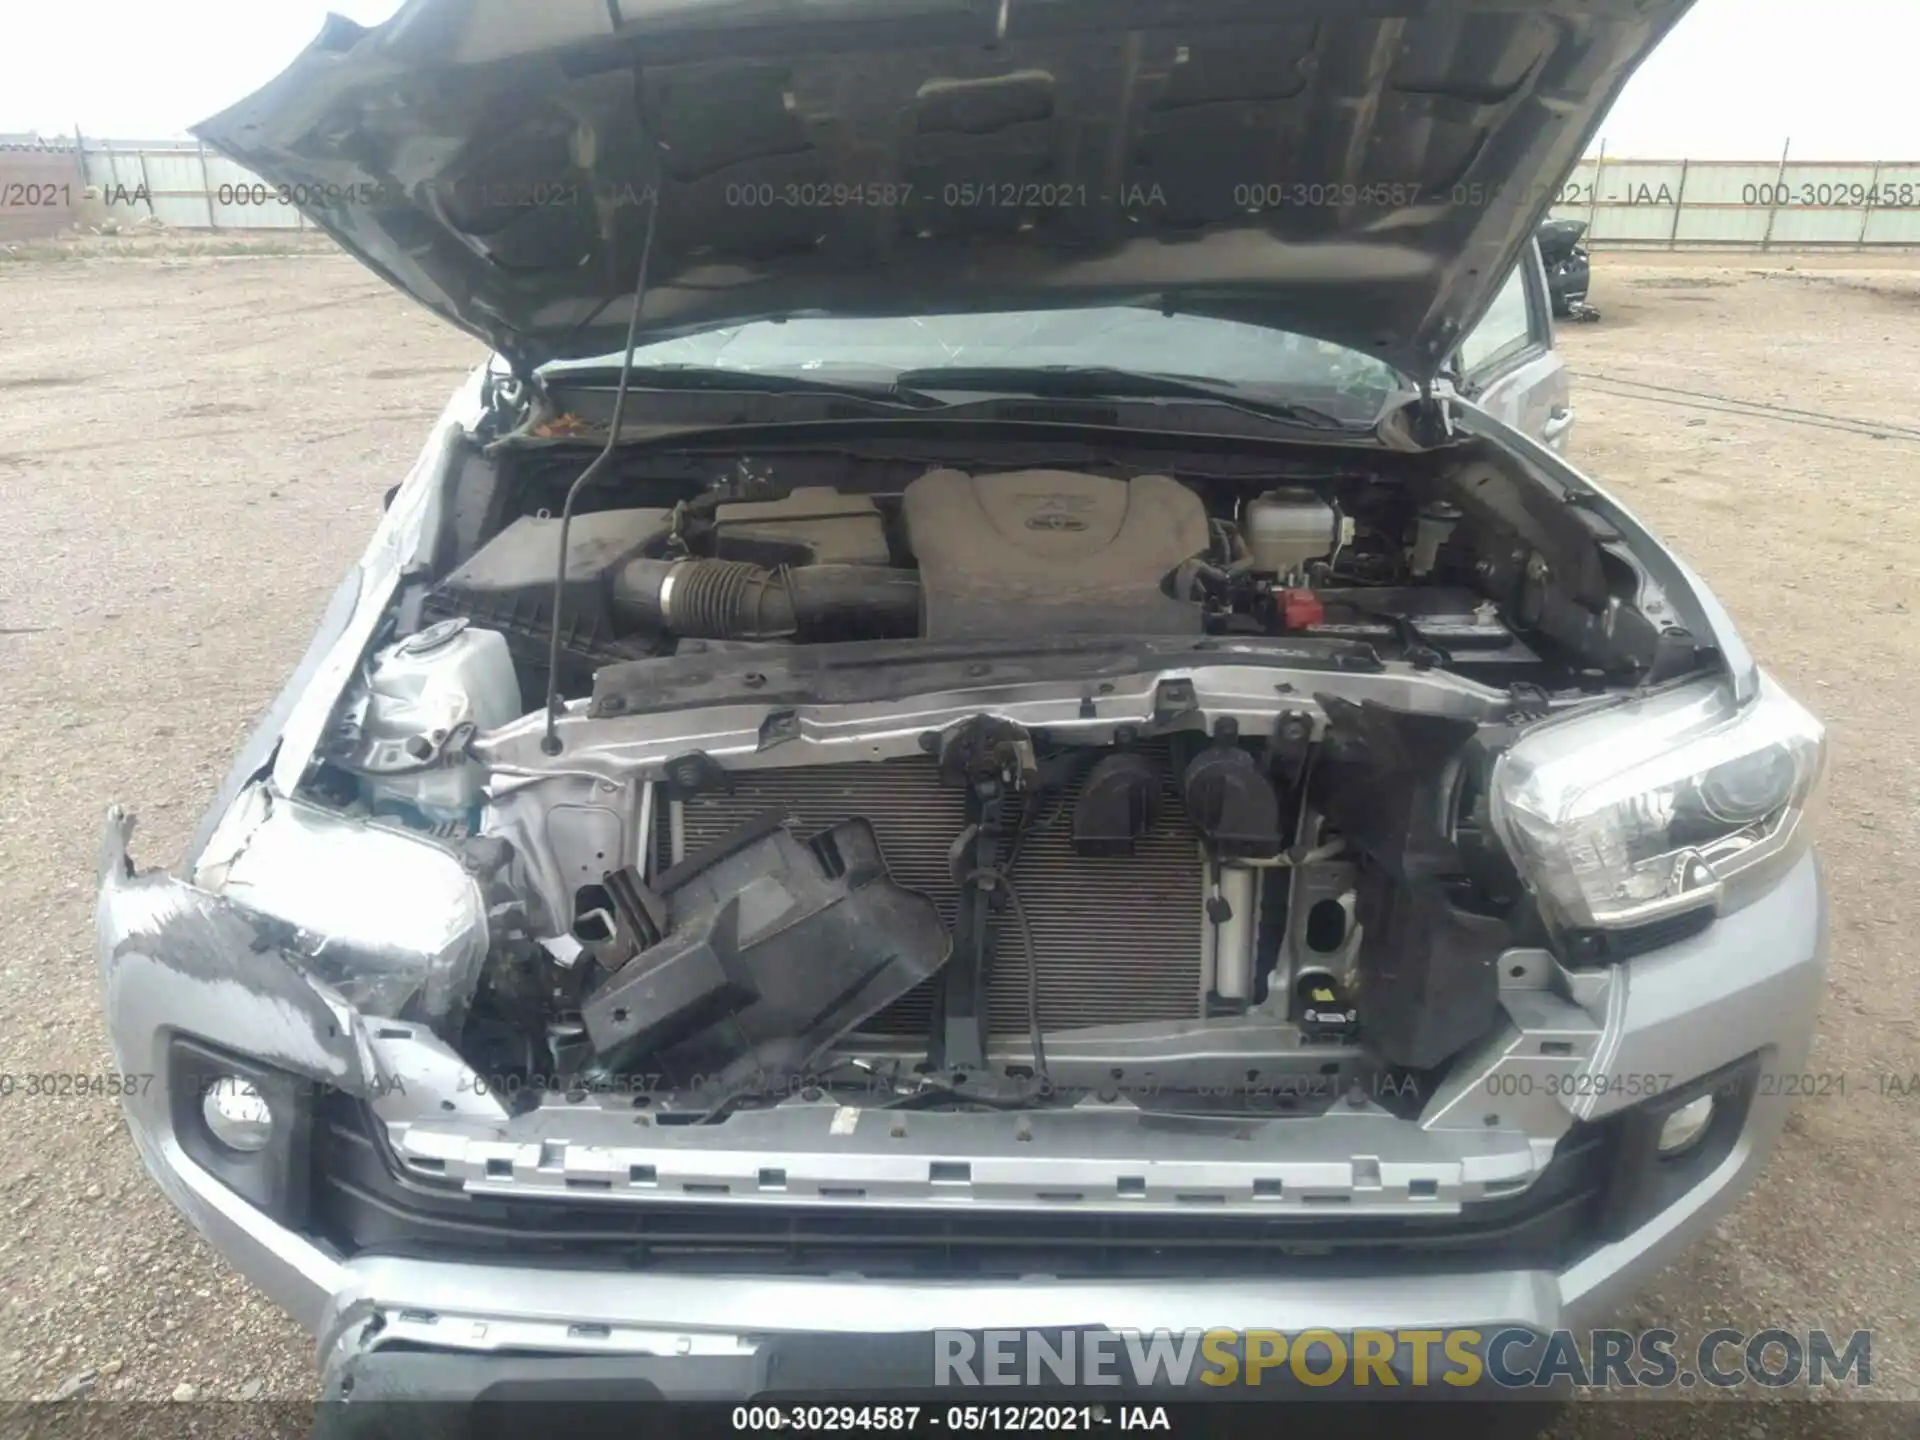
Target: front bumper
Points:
(176, 961)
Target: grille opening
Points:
(366, 1201)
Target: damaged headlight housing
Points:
(387, 920)
(1682, 800)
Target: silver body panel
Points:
(177, 958)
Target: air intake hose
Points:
(732, 600)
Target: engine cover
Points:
(1050, 552)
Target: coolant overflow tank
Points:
(405, 733)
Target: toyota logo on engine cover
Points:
(1054, 520)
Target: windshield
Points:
(1263, 362)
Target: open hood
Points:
(1363, 171)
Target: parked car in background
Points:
(1568, 268)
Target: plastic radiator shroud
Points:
(774, 948)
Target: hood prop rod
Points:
(550, 741)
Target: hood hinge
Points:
(519, 363)
(1430, 417)
(1420, 419)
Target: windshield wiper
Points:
(1103, 382)
(912, 390)
(715, 379)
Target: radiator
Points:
(1116, 940)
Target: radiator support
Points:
(1117, 939)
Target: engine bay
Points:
(958, 555)
(996, 900)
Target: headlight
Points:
(1679, 800)
(389, 921)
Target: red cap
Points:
(1300, 609)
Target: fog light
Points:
(1684, 1127)
(237, 1114)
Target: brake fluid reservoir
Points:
(424, 698)
(1285, 529)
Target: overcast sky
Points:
(1736, 78)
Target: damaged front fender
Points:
(388, 920)
(259, 961)
(177, 962)
(173, 956)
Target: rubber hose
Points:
(733, 600)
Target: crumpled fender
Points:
(168, 950)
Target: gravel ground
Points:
(192, 448)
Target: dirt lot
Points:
(192, 448)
